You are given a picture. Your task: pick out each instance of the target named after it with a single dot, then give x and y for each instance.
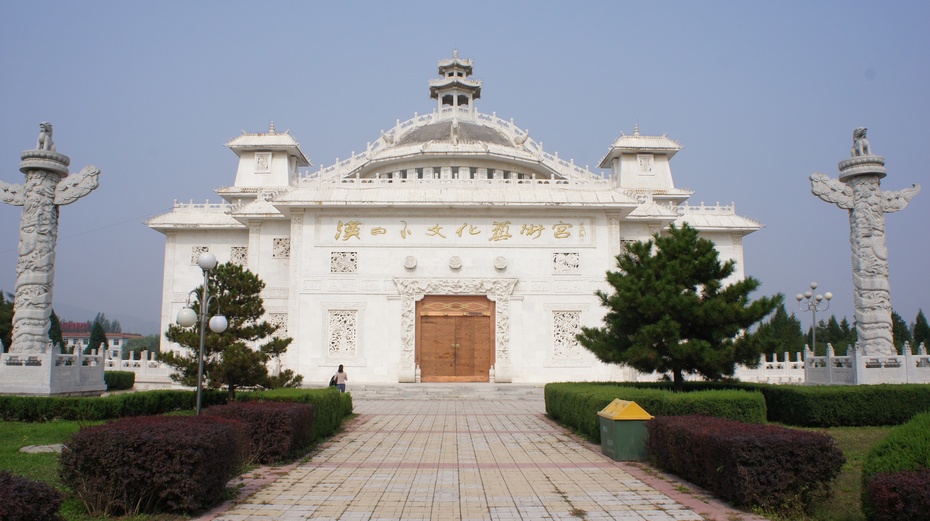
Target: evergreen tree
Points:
(6, 321)
(921, 330)
(670, 312)
(98, 339)
(54, 331)
(899, 331)
(237, 357)
(782, 333)
(137, 345)
(849, 338)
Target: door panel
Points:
(455, 339)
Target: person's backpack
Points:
(332, 381)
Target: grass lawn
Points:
(44, 466)
(846, 503)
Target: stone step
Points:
(446, 391)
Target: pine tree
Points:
(98, 339)
(6, 321)
(899, 331)
(921, 330)
(781, 334)
(54, 331)
(670, 312)
(237, 357)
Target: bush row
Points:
(767, 466)
(28, 500)
(152, 464)
(43, 408)
(276, 430)
(896, 474)
(825, 405)
(576, 404)
(330, 406)
(119, 380)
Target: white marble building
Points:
(454, 248)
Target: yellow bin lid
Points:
(624, 410)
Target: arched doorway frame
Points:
(498, 290)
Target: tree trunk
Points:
(679, 380)
(231, 397)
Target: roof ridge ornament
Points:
(271, 129)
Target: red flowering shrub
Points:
(23, 499)
(899, 496)
(749, 464)
(152, 464)
(276, 429)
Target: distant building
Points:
(453, 247)
(77, 335)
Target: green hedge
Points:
(44, 408)
(576, 404)
(330, 405)
(119, 380)
(905, 451)
(825, 405)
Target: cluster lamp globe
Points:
(187, 317)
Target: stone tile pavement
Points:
(465, 459)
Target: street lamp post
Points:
(187, 317)
(813, 303)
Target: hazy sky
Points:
(760, 94)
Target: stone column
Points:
(46, 188)
(858, 190)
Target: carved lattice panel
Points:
(196, 251)
(278, 320)
(239, 255)
(565, 325)
(343, 333)
(262, 162)
(344, 262)
(566, 262)
(281, 248)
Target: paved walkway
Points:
(466, 460)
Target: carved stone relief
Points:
(343, 262)
(281, 248)
(565, 347)
(278, 320)
(343, 334)
(239, 255)
(196, 251)
(262, 162)
(566, 262)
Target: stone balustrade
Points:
(857, 368)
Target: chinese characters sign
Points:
(420, 231)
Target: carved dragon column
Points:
(47, 187)
(858, 190)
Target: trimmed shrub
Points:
(276, 429)
(752, 465)
(899, 496)
(904, 455)
(153, 464)
(330, 406)
(28, 500)
(119, 380)
(41, 408)
(576, 404)
(823, 405)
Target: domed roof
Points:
(453, 132)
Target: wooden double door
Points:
(455, 338)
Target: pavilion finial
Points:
(636, 128)
(455, 54)
(271, 129)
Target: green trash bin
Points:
(623, 430)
